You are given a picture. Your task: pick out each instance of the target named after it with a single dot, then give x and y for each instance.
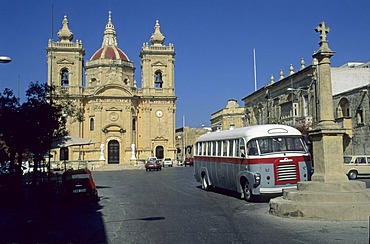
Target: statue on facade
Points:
(102, 148)
(133, 157)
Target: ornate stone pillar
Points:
(327, 136)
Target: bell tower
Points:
(157, 110)
(65, 62)
(157, 65)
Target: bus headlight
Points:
(257, 179)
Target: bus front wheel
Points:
(205, 185)
(247, 193)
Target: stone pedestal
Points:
(324, 201)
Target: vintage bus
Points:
(254, 160)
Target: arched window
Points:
(343, 109)
(92, 124)
(64, 77)
(158, 82)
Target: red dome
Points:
(109, 52)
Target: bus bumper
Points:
(275, 190)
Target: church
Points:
(123, 122)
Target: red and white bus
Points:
(254, 160)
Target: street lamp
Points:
(5, 59)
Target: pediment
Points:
(113, 109)
(158, 64)
(113, 90)
(64, 61)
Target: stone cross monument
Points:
(330, 195)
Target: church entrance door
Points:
(159, 152)
(113, 152)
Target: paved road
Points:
(165, 206)
(168, 206)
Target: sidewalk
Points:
(118, 167)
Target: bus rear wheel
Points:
(205, 185)
(247, 193)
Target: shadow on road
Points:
(236, 195)
(35, 214)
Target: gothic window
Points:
(158, 82)
(64, 77)
(92, 124)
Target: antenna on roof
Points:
(254, 69)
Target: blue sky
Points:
(213, 39)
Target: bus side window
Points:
(240, 148)
(252, 148)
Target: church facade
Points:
(124, 122)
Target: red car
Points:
(189, 161)
(153, 163)
(78, 184)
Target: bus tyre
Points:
(247, 194)
(352, 175)
(205, 185)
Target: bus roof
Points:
(251, 132)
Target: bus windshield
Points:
(276, 145)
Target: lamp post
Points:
(5, 59)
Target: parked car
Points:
(167, 162)
(355, 165)
(188, 161)
(78, 184)
(153, 163)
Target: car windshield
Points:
(78, 176)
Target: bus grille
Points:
(286, 172)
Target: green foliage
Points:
(33, 125)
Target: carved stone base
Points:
(324, 201)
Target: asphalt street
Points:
(165, 206)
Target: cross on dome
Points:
(323, 31)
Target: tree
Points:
(31, 126)
(9, 113)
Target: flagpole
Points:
(254, 69)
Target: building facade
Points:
(185, 140)
(125, 122)
(229, 117)
(294, 100)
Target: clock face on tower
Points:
(159, 113)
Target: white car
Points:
(167, 162)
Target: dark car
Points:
(153, 163)
(188, 161)
(78, 184)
